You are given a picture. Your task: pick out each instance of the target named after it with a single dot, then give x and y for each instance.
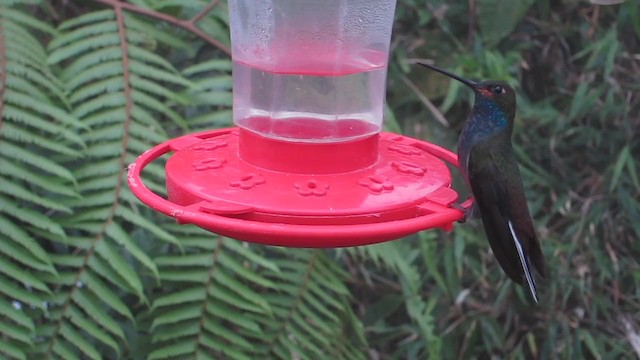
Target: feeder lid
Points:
(211, 184)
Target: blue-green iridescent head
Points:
(493, 93)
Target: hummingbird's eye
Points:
(497, 89)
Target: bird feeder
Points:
(307, 164)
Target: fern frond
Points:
(81, 260)
(18, 330)
(53, 186)
(399, 256)
(120, 95)
(204, 294)
(121, 267)
(16, 154)
(233, 300)
(119, 236)
(143, 223)
(215, 23)
(33, 121)
(23, 19)
(155, 35)
(29, 138)
(211, 93)
(37, 133)
(71, 43)
(308, 308)
(18, 250)
(19, 192)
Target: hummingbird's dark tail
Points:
(526, 266)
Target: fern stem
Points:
(202, 13)
(209, 281)
(126, 74)
(189, 25)
(303, 289)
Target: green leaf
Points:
(24, 277)
(33, 218)
(77, 47)
(590, 343)
(107, 295)
(620, 163)
(186, 276)
(90, 328)
(223, 332)
(81, 33)
(94, 310)
(121, 267)
(27, 20)
(88, 18)
(117, 234)
(207, 66)
(18, 334)
(46, 110)
(20, 294)
(179, 314)
(177, 349)
(180, 297)
(230, 298)
(17, 171)
(177, 331)
(102, 268)
(16, 315)
(92, 59)
(75, 338)
(140, 221)
(40, 162)
(497, 19)
(17, 191)
(21, 237)
(246, 274)
(237, 287)
(186, 260)
(65, 351)
(146, 30)
(228, 314)
(18, 253)
(12, 350)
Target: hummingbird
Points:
(490, 170)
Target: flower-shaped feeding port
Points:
(247, 182)
(307, 165)
(311, 188)
(377, 184)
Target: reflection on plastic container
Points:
(301, 64)
(286, 104)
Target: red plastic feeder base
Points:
(236, 183)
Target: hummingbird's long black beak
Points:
(469, 83)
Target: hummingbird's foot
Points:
(467, 212)
(464, 211)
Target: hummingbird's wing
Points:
(497, 188)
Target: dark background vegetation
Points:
(86, 271)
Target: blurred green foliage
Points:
(576, 68)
